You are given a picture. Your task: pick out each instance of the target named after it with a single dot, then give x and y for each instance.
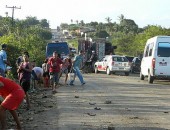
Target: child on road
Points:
(46, 75)
(64, 69)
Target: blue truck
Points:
(61, 48)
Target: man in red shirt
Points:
(13, 95)
(54, 63)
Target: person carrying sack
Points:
(64, 69)
(76, 68)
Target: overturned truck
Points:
(99, 45)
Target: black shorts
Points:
(69, 69)
(25, 84)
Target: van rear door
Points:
(162, 63)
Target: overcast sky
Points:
(143, 12)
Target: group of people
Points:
(52, 69)
(57, 67)
(12, 93)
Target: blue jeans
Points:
(77, 72)
(2, 72)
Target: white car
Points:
(73, 50)
(112, 64)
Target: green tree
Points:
(77, 22)
(82, 23)
(100, 27)
(71, 21)
(44, 23)
(5, 25)
(108, 19)
(27, 36)
(121, 18)
(150, 31)
(64, 26)
(93, 24)
(128, 25)
(102, 34)
(31, 21)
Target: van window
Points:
(150, 49)
(163, 49)
(147, 50)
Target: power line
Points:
(13, 7)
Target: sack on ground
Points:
(71, 76)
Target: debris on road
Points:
(92, 103)
(97, 108)
(76, 96)
(91, 114)
(108, 102)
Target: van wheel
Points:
(150, 78)
(95, 70)
(141, 76)
(108, 71)
(127, 73)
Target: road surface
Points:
(114, 102)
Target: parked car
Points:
(113, 63)
(73, 50)
(156, 59)
(135, 66)
(130, 58)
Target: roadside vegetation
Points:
(32, 35)
(24, 35)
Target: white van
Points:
(156, 59)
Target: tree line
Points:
(126, 35)
(29, 35)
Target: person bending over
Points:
(13, 95)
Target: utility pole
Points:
(13, 7)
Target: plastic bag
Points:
(71, 76)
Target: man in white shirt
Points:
(37, 75)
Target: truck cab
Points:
(61, 48)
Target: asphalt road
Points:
(114, 102)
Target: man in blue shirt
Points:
(76, 68)
(3, 60)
